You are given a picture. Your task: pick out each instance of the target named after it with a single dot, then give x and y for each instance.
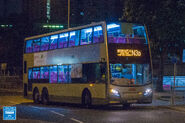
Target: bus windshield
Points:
(130, 74)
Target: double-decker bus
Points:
(94, 64)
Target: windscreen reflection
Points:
(130, 74)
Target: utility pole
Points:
(174, 60)
(68, 13)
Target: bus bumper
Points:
(137, 99)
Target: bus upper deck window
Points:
(29, 47)
(44, 43)
(98, 34)
(63, 40)
(86, 36)
(74, 38)
(36, 45)
(53, 42)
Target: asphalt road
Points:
(27, 112)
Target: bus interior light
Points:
(109, 26)
(72, 33)
(98, 28)
(88, 30)
(54, 37)
(64, 35)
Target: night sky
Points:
(10, 7)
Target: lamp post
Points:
(68, 13)
(174, 61)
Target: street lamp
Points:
(68, 13)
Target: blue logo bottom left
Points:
(9, 113)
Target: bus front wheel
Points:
(86, 99)
(36, 96)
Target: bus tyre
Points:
(36, 96)
(45, 97)
(86, 99)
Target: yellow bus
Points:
(94, 64)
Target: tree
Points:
(164, 19)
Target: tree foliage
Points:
(165, 20)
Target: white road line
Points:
(57, 113)
(76, 120)
(60, 115)
(37, 107)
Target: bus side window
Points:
(44, 43)
(36, 73)
(74, 38)
(44, 71)
(63, 74)
(53, 42)
(63, 40)
(36, 45)
(53, 74)
(98, 35)
(28, 46)
(86, 36)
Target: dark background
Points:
(164, 20)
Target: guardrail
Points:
(10, 86)
(10, 79)
(10, 82)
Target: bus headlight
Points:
(114, 92)
(147, 92)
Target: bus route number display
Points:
(128, 52)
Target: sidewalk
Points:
(163, 99)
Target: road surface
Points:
(28, 112)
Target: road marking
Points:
(37, 107)
(76, 120)
(57, 113)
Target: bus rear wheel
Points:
(36, 96)
(45, 97)
(86, 99)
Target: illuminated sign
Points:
(183, 55)
(128, 52)
(53, 26)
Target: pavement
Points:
(164, 100)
